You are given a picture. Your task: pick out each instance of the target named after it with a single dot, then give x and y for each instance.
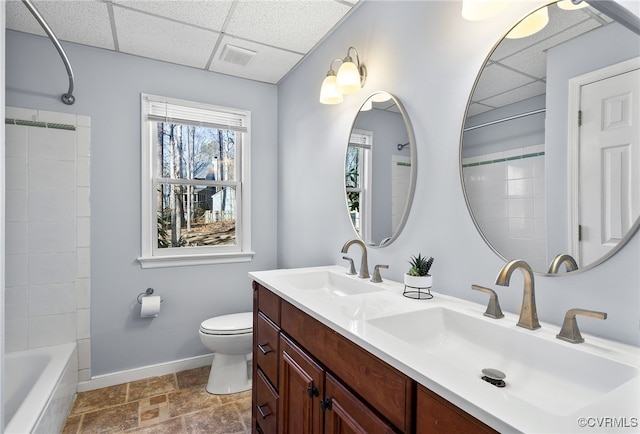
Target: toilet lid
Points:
(233, 324)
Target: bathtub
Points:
(40, 386)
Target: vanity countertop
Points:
(542, 405)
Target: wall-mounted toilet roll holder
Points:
(148, 292)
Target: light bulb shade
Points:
(368, 105)
(568, 5)
(476, 10)
(348, 79)
(380, 97)
(329, 93)
(531, 24)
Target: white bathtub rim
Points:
(23, 420)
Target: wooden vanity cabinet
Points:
(309, 379)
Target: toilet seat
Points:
(232, 324)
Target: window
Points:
(195, 183)
(358, 181)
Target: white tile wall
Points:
(47, 236)
(508, 202)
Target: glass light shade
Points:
(329, 93)
(348, 78)
(568, 5)
(476, 10)
(380, 97)
(530, 25)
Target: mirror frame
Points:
(413, 155)
(630, 21)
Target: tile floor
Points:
(173, 404)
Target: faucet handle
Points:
(376, 278)
(493, 308)
(352, 268)
(570, 331)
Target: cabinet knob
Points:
(265, 348)
(326, 404)
(312, 391)
(261, 411)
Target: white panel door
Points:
(609, 192)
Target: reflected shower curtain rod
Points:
(68, 97)
(510, 118)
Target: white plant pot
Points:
(418, 281)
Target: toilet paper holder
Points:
(148, 292)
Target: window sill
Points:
(189, 260)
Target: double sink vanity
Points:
(406, 365)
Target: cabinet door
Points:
(437, 415)
(346, 414)
(301, 388)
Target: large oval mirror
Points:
(380, 167)
(550, 153)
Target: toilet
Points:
(230, 338)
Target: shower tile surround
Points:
(47, 297)
(507, 190)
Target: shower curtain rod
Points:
(68, 97)
(510, 118)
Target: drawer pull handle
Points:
(262, 413)
(266, 349)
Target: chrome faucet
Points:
(528, 314)
(560, 259)
(364, 266)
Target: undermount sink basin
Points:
(327, 283)
(552, 375)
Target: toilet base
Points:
(229, 374)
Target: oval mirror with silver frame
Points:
(540, 176)
(380, 169)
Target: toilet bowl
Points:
(230, 338)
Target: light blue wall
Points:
(428, 56)
(108, 87)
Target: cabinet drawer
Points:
(269, 303)
(266, 406)
(267, 348)
(436, 414)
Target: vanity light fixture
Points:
(531, 24)
(477, 10)
(329, 93)
(350, 79)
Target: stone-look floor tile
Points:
(221, 420)
(72, 424)
(99, 398)
(236, 397)
(111, 420)
(153, 410)
(193, 377)
(190, 400)
(151, 387)
(171, 426)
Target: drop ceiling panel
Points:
(292, 25)
(158, 38)
(516, 95)
(82, 22)
(269, 64)
(208, 14)
(497, 79)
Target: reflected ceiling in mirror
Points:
(530, 193)
(380, 167)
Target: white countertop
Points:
(617, 410)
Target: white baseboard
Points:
(121, 377)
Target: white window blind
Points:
(166, 111)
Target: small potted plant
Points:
(418, 275)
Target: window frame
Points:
(154, 257)
(363, 140)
